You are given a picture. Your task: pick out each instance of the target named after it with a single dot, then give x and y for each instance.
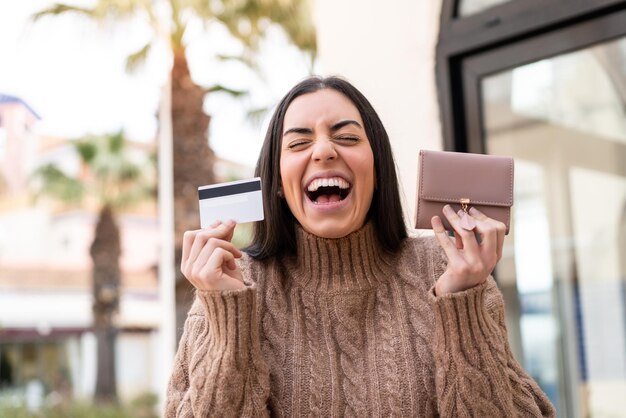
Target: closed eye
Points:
(298, 143)
(348, 138)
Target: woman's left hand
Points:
(469, 262)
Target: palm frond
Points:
(109, 174)
(247, 20)
(129, 172)
(204, 9)
(241, 29)
(247, 59)
(116, 142)
(100, 11)
(299, 26)
(131, 196)
(136, 59)
(86, 149)
(51, 181)
(61, 8)
(256, 115)
(218, 88)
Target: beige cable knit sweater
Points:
(343, 329)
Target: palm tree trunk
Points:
(193, 159)
(193, 165)
(105, 252)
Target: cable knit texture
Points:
(345, 329)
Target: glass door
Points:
(563, 273)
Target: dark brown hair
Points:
(275, 235)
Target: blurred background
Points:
(112, 113)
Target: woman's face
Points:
(326, 164)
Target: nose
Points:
(323, 150)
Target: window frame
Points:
(477, 45)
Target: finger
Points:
(499, 227)
(489, 239)
(231, 223)
(232, 269)
(476, 214)
(458, 241)
(444, 241)
(231, 265)
(474, 230)
(220, 258)
(214, 225)
(222, 231)
(501, 235)
(199, 269)
(214, 276)
(200, 239)
(207, 252)
(467, 237)
(211, 246)
(188, 238)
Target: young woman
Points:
(333, 310)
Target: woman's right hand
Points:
(208, 259)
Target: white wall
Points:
(387, 49)
(135, 373)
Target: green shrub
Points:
(144, 406)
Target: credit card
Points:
(239, 200)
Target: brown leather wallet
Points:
(463, 180)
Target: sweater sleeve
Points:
(476, 373)
(219, 369)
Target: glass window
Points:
(468, 7)
(563, 120)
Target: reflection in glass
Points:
(563, 272)
(468, 7)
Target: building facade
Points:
(47, 345)
(17, 143)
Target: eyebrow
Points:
(343, 123)
(298, 131)
(333, 128)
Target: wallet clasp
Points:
(465, 201)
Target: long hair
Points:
(275, 235)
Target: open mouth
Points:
(328, 190)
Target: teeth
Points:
(328, 182)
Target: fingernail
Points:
(474, 211)
(231, 222)
(448, 208)
(436, 223)
(215, 224)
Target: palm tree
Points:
(111, 181)
(247, 21)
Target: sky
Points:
(71, 71)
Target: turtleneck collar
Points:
(354, 262)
